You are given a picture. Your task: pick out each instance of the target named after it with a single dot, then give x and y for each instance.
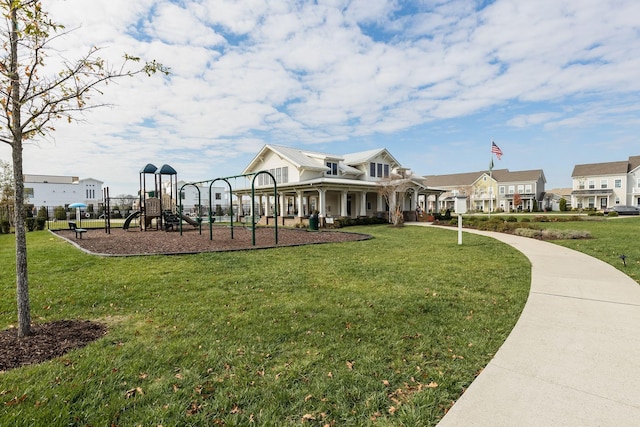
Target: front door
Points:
(603, 202)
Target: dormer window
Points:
(333, 168)
(379, 170)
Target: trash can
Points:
(313, 222)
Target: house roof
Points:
(315, 160)
(500, 175)
(467, 178)
(609, 168)
(566, 192)
(363, 157)
(503, 175)
(302, 159)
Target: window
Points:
(512, 189)
(285, 174)
(527, 189)
(279, 175)
(617, 200)
(28, 192)
(379, 170)
(617, 183)
(520, 188)
(581, 185)
(592, 202)
(218, 196)
(333, 168)
(604, 183)
(592, 186)
(502, 189)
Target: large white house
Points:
(330, 184)
(52, 191)
(601, 185)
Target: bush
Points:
(5, 226)
(347, 222)
(43, 213)
(40, 223)
(60, 213)
(612, 214)
(511, 219)
(525, 220)
(30, 223)
(563, 205)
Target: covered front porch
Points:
(295, 203)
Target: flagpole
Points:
(491, 180)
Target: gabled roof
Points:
(609, 168)
(363, 157)
(634, 163)
(302, 159)
(469, 178)
(504, 175)
(315, 160)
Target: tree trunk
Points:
(22, 281)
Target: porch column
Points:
(363, 203)
(380, 203)
(343, 203)
(322, 202)
(299, 196)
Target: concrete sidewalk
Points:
(573, 358)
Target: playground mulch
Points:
(136, 242)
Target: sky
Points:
(554, 83)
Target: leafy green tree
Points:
(563, 204)
(32, 99)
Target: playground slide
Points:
(189, 220)
(127, 221)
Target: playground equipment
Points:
(154, 202)
(254, 175)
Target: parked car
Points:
(623, 210)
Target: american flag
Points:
(496, 150)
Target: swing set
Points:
(227, 179)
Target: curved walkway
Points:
(573, 358)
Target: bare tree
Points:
(394, 189)
(30, 101)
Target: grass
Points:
(610, 239)
(387, 331)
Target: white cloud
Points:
(255, 71)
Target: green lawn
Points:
(382, 332)
(612, 237)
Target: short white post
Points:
(460, 206)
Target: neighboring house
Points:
(601, 185)
(333, 185)
(487, 191)
(52, 191)
(554, 196)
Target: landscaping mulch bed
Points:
(54, 339)
(47, 341)
(135, 242)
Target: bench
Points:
(246, 220)
(79, 231)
